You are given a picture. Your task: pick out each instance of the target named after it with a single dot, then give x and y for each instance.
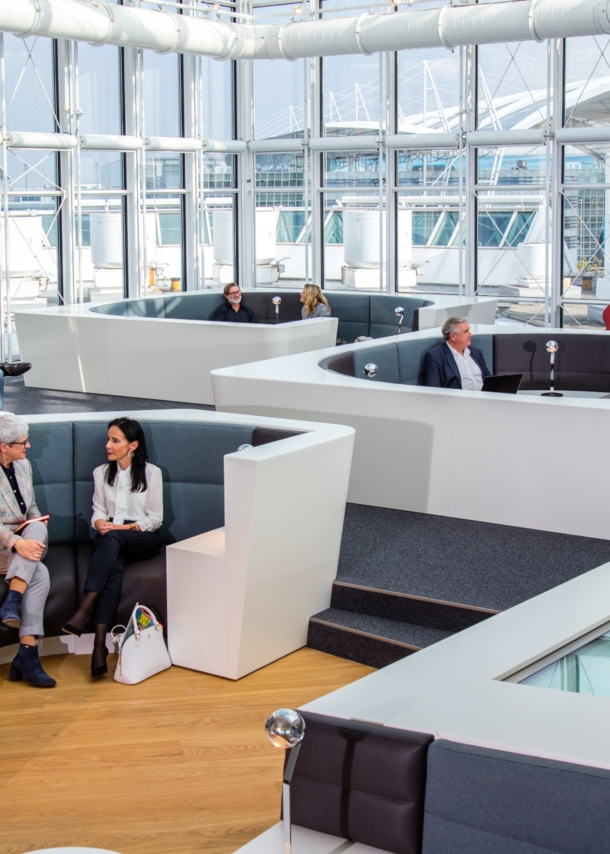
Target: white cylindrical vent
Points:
(361, 238)
(106, 240)
(222, 239)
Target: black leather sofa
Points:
(63, 456)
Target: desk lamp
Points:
(370, 370)
(400, 314)
(552, 347)
(277, 301)
(286, 729)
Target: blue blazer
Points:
(441, 370)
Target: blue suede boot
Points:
(10, 612)
(27, 664)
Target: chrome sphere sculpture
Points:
(277, 301)
(245, 447)
(552, 347)
(286, 728)
(400, 314)
(370, 369)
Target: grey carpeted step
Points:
(485, 566)
(375, 641)
(448, 616)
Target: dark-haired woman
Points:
(127, 511)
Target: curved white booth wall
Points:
(72, 348)
(514, 460)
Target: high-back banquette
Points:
(371, 315)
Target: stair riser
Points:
(376, 603)
(363, 649)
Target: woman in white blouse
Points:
(127, 512)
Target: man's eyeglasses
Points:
(20, 443)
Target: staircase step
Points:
(403, 607)
(376, 641)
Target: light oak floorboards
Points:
(179, 763)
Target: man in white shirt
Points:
(455, 364)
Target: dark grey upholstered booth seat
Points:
(582, 363)
(63, 456)
(361, 782)
(481, 801)
(358, 314)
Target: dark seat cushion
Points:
(492, 802)
(192, 306)
(262, 306)
(143, 582)
(361, 782)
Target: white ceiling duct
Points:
(449, 26)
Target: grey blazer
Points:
(319, 311)
(10, 514)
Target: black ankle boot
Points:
(10, 612)
(27, 664)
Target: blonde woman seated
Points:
(315, 304)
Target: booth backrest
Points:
(582, 362)
(358, 314)
(190, 455)
(402, 361)
(488, 800)
(361, 782)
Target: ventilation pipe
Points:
(449, 26)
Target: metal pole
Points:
(142, 155)
(5, 318)
(306, 78)
(379, 172)
(288, 772)
(461, 222)
(547, 207)
(79, 198)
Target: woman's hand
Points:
(30, 549)
(104, 527)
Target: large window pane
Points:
(101, 170)
(428, 91)
(512, 85)
(217, 240)
(429, 241)
(587, 64)
(352, 242)
(32, 170)
(33, 256)
(99, 89)
(217, 98)
(162, 114)
(101, 260)
(280, 201)
(278, 88)
(30, 94)
(351, 95)
(351, 169)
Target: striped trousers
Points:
(110, 554)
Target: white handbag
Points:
(142, 650)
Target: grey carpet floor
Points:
(455, 560)
(23, 400)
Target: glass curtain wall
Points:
(324, 170)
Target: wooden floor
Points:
(179, 763)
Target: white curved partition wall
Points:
(488, 457)
(448, 26)
(78, 348)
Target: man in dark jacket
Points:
(233, 311)
(455, 364)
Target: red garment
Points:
(606, 316)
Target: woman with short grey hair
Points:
(27, 577)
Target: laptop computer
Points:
(503, 383)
